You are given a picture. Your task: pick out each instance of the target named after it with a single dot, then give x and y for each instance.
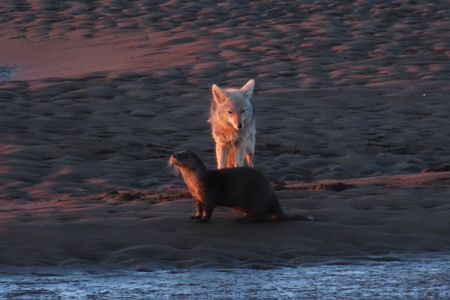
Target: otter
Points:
(243, 188)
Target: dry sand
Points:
(351, 105)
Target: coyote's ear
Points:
(247, 89)
(219, 95)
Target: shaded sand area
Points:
(351, 106)
(153, 230)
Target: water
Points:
(424, 278)
(6, 73)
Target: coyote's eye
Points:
(242, 111)
(230, 112)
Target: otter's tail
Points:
(290, 216)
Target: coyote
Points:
(233, 126)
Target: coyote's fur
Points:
(233, 125)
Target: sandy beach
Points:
(352, 114)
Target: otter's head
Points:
(186, 161)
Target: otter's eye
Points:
(242, 111)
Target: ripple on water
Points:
(6, 73)
(414, 278)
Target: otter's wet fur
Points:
(244, 189)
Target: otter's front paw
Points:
(196, 217)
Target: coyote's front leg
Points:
(221, 155)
